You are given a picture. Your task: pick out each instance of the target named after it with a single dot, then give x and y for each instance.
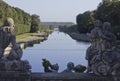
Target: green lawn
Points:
(22, 36)
(25, 35)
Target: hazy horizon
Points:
(55, 10)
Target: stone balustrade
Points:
(14, 76)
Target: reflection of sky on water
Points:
(59, 48)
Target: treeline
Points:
(68, 29)
(106, 11)
(24, 22)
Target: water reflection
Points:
(58, 48)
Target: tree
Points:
(110, 12)
(21, 18)
(35, 23)
(23, 23)
(84, 22)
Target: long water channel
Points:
(58, 48)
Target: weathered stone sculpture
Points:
(12, 61)
(103, 55)
(79, 68)
(48, 67)
(95, 43)
(6, 35)
(70, 67)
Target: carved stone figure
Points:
(48, 67)
(95, 47)
(15, 53)
(79, 68)
(70, 67)
(12, 61)
(95, 33)
(6, 35)
(109, 38)
(55, 67)
(90, 53)
(103, 55)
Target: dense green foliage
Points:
(84, 22)
(21, 18)
(110, 12)
(24, 22)
(35, 23)
(107, 11)
(69, 29)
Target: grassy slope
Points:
(22, 36)
(25, 36)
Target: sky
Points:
(55, 10)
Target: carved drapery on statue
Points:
(12, 61)
(103, 55)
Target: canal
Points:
(58, 48)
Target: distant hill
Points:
(57, 24)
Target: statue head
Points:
(9, 22)
(97, 23)
(55, 67)
(70, 65)
(106, 26)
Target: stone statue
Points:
(95, 43)
(108, 40)
(12, 61)
(15, 53)
(79, 68)
(103, 55)
(48, 67)
(95, 33)
(70, 67)
(6, 35)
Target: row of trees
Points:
(107, 11)
(24, 22)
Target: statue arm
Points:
(103, 36)
(113, 37)
(13, 40)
